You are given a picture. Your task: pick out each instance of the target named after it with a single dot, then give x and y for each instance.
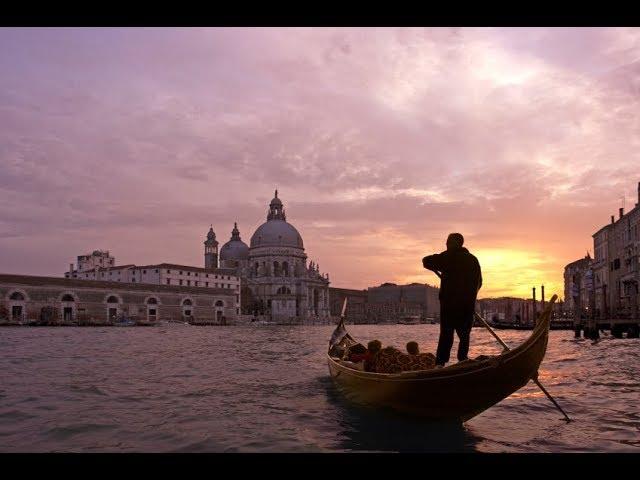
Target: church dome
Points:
(276, 231)
(235, 248)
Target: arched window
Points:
(17, 306)
(284, 291)
(276, 269)
(285, 269)
(152, 309)
(187, 302)
(219, 303)
(112, 308)
(68, 307)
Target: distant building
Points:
(284, 287)
(163, 274)
(517, 311)
(356, 304)
(576, 284)
(616, 265)
(270, 278)
(514, 311)
(390, 303)
(96, 259)
(58, 300)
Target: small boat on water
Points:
(458, 392)
(409, 320)
(124, 322)
(511, 326)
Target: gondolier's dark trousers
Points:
(458, 318)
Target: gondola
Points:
(457, 392)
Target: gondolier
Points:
(461, 278)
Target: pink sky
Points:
(380, 142)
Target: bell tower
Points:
(211, 250)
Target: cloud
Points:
(381, 141)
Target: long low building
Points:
(55, 300)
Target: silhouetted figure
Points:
(461, 278)
(412, 348)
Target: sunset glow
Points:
(380, 142)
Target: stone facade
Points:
(576, 287)
(616, 266)
(356, 304)
(168, 274)
(24, 298)
(390, 303)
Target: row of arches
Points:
(68, 303)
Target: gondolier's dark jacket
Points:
(461, 276)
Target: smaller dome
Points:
(235, 248)
(211, 235)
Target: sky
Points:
(380, 141)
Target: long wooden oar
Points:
(535, 378)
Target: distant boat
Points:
(409, 320)
(511, 326)
(562, 324)
(263, 322)
(124, 322)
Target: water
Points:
(266, 389)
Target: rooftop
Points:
(37, 281)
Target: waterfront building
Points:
(98, 258)
(356, 304)
(54, 300)
(163, 274)
(616, 266)
(283, 286)
(510, 310)
(389, 303)
(577, 282)
(270, 278)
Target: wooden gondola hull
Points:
(458, 392)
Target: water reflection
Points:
(377, 430)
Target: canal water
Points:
(266, 389)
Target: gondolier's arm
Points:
(433, 263)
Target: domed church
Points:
(276, 281)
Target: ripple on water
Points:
(192, 390)
(70, 430)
